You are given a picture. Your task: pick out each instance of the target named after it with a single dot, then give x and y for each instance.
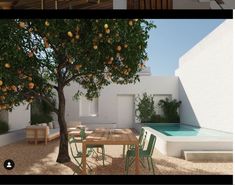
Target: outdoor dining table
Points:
(111, 137)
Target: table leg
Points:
(137, 159)
(84, 158)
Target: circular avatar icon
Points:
(9, 164)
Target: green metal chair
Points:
(142, 140)
(92, 146)
(130, 156)
(76, 153)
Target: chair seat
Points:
(142, 153)
(79, 154)
(133, 147)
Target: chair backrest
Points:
(151, 144)
(73, 144)
(142, 137)
(82, 133)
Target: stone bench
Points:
(212, 156)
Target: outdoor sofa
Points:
(42, 132)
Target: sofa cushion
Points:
(54, 130)
(51, 126)
(54, 133)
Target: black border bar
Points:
(117, 179)
(125, 14)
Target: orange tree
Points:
(39, 58)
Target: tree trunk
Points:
(63, 155)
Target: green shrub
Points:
(42, 107)
(41, 112)
(156, 118)
(37, 118)
(4, 127)
(170, 110)
(145, 108)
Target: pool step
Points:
(212, 156)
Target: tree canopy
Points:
(38, 54)
(38, 58)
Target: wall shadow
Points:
(189, 117)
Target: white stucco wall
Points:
(119, 4)
(107, 102)
(19, 118)
(205, 81)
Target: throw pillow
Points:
(50, 124)
(44, 124)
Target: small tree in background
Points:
(39, 58)
(145, 108)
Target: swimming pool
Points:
(174, 138)
(186, 130)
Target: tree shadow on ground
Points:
(32, 159)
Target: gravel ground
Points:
(40, 159)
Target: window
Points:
(88, 108)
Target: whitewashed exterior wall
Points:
(107, 102)
(206, 81)
(17, 119)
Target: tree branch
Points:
(45, 98)
(50, 104)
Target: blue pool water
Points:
(186, 130)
